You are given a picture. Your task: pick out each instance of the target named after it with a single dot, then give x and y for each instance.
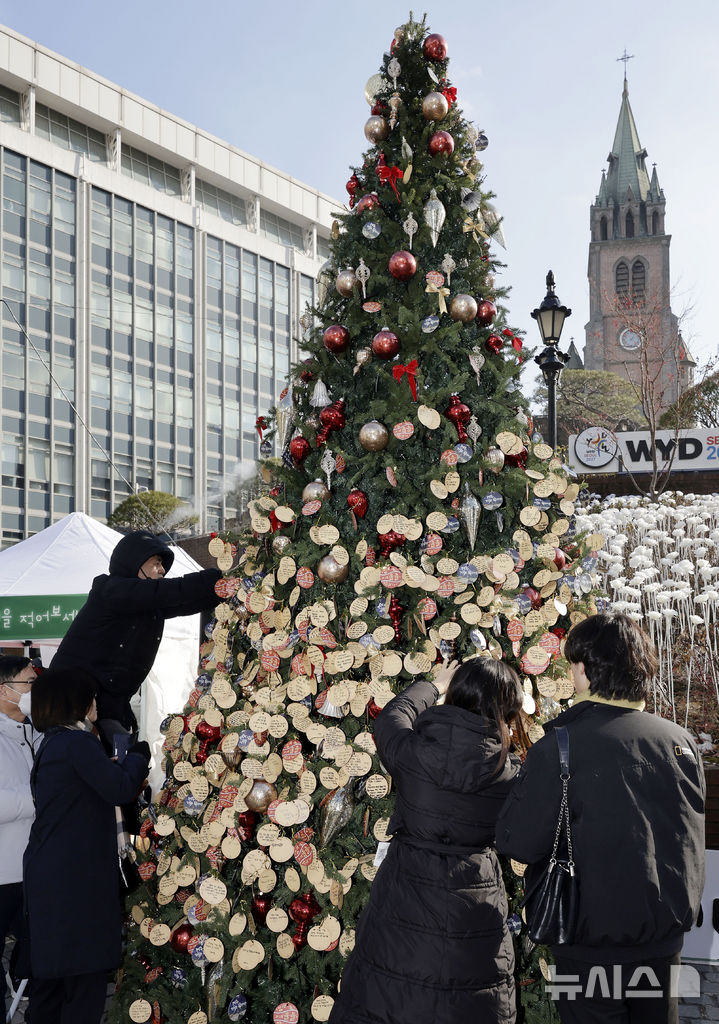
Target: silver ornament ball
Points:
(315, 491)
(346, 282)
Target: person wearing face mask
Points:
(17, 743)
(118, 630)
(72, 906)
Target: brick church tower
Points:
(629, 283)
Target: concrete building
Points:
(160, 274)
(629, 281)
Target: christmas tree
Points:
(414, 518)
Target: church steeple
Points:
(628, 269)
(629, 203)
(627, 167)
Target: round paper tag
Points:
(286, 1013)
(140, 1011)
(403, 431)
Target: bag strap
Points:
(562, 734)
(563, 745)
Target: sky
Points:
(285, 82)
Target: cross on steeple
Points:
(626, 57)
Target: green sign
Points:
(45, 617)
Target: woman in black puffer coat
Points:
(432, 944)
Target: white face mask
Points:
(23, 702)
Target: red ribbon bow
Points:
(410, 369)
(450, 94)
(261, 424)
(389, 175)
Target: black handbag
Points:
(551, 904)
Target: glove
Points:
(142, 748)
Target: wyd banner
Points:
(598, 450)
(45, 617)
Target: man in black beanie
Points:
(118, 630)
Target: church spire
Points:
(627, 167)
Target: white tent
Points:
(45, 579)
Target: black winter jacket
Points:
(119, 628)
(636, 801)
(70, 880)
(432, 946)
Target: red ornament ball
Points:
(303, 908)
(180, 937)
(389, 541)
(373, 709)
(534, 596)
(441, 143)
(357, 501)
(385, 344)
(494, 343)
(460, 414)
(299, 449)
(519, 460)
(435, 47)
(486, 312)
(260, 908)
(336, 338)
(368, 202)
(333, 416)
(402, 265)
(560, 559)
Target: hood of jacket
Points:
(133, 551)
(460, 750)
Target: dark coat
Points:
(119, 628)
(70, 868)
(432, 945)
(636, 802)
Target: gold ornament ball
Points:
(376, 129)
(330, 571)
(313, 421)
(346, 283)
(261, 795)
(315, 491)
(435, 106)
(374, 436)
(363, 356)
(463, 307)
(280, 543)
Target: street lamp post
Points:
(550, 317)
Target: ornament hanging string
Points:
(261, 424)
(410, 369)
(441, 294)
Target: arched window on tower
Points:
(629, 225)
(655, 223)
(603, 229)
(622, 280)
(638, 281)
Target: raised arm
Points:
(182, 596)
(115, 783)
(393, 728)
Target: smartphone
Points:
(121, 742)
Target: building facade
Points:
(160, 275)
(630, 313)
